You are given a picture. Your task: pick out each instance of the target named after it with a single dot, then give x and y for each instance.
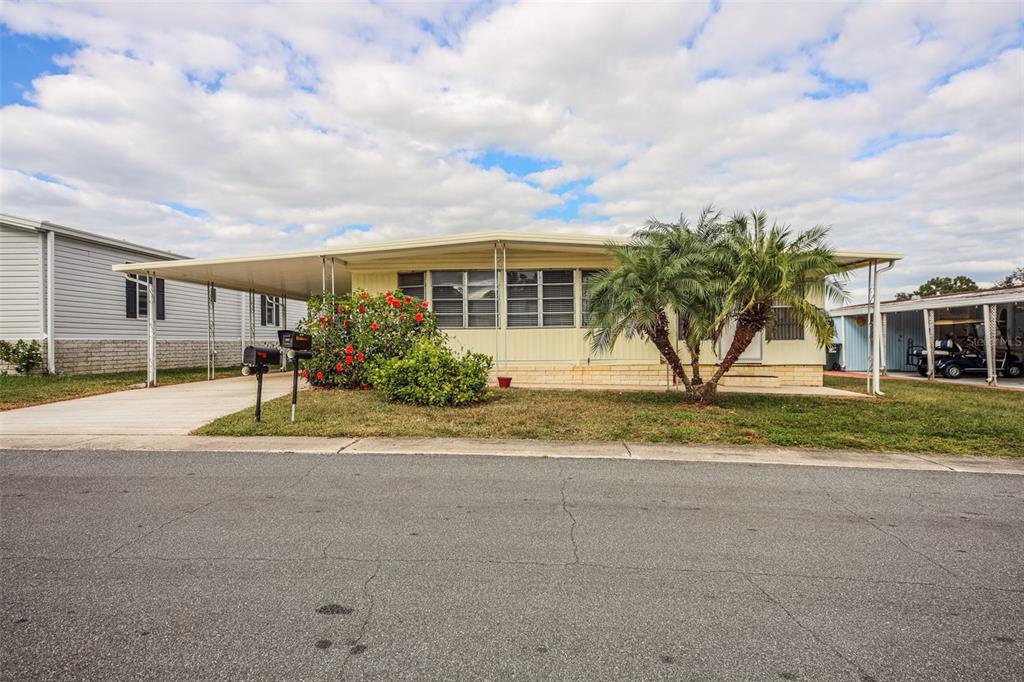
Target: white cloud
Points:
(319, 118)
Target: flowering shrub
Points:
(24, 355)
(350, 333)
(430, 374)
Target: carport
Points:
(919, 321)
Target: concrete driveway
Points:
(163, 411)
(216, 566)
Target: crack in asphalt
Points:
(882, 530)
(368, 595)
(864, 674)
(572, 519)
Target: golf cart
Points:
(955, 356)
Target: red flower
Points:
(360, 356)
(319, 376)
(305, 374)
(424, 305)
(338, 367)
(395, 302)
(408, 299)
(419, 317)
(374, 326)
(363, 294)
(388, 294)
(348, 359)
(346, 324)
(362, 309)
(349, 349)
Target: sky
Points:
(223, 128)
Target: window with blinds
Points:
(413, 284)
(587, 274)
(464, 298)
(786, 327)
(541, 298)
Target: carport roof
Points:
(298, 274)
(957, 300)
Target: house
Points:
(517, 296)
(915, 324)
(57, 287)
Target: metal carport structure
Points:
(989, 301)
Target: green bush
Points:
(24, 355)
(352, 332)
(430, 374)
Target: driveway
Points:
(165, 410)
(354, 566)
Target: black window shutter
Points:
(263, 310)
(159, 298)
(277, 313)
(131, 299)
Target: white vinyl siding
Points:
(21, 284)
(90, 301)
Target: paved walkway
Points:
(165, 410)
(967, 380)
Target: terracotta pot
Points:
(504, 382)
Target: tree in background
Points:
(1014, 279)
(937, 286)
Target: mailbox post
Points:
(257, 359)
(299, 347)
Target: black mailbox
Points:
(256, 357)
(293, 340)
(256, 360)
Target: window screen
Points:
(587, 274)
(412, 284)
(463, 298)
(541, 298)
(786, 327)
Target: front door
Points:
(751, 356)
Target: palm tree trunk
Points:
(745, 333)
(695, 364)
(660, 338)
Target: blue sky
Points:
(26, 57)
(217, 130)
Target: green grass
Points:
(23, 391)
(915, 417)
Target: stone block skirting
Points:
(655, 376)
(103, 356)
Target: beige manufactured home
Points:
(517, 296)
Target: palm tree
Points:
(768, 268)
(708, 275)
(656, 273)
(698, 310)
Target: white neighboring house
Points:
(57, 287)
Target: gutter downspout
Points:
(51, 341)
(876, 329)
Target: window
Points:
(587, 274)
(270, 311)
(541, 298)
(786, 327)
(463, 298)
(136, 299)
(413, 284)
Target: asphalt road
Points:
(242, 566)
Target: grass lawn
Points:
(21, 391)
(915, 416)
